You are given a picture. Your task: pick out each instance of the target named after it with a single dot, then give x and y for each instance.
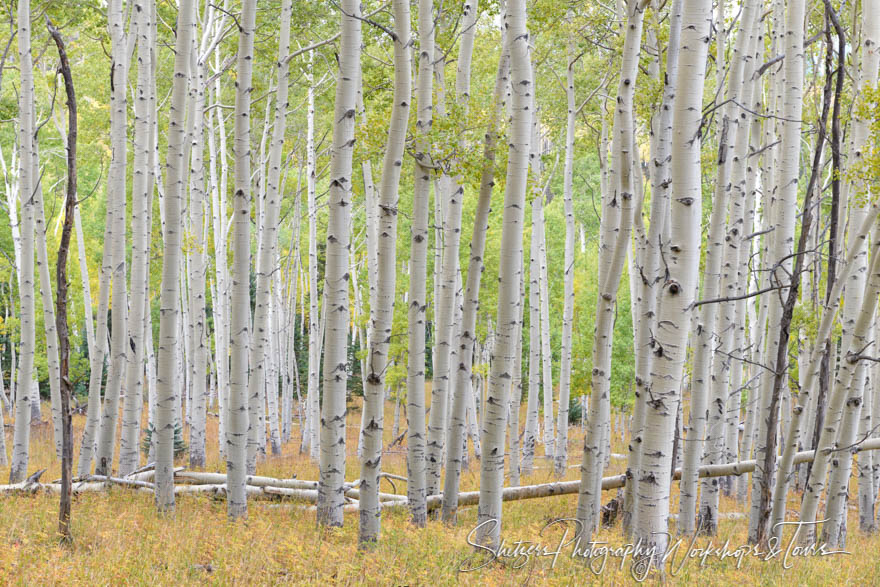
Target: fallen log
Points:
(196, 478)
(570, 487)
(119, 481)
(149, 473)
(307, 490)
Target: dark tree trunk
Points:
(61, 301)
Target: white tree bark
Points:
(561, 456)
(617, 211)
(661, 137)
(510, 267)
(464, 398)
(258, 381)
(241, 408)
(382, 304)
(842, 417)
(336, 276)
(52, 360)
(415, 383)
(116, 188)
(26, 182)
(142, 200)
(530, 435)
(444, 303)
(783, 238)
(197, 254)
(724, 252)
(220, 290)
(311, 440)
(678, 290)
(169, 299)
(867, 77)
(546, 363)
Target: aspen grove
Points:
(372, 263)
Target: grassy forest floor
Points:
(121, 539)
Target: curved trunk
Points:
(444, 302)
(336, 276)
(509, 269)
(617, 212)
(471, 302)
(382, 304)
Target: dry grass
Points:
(120, 539)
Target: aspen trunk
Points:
(723, 250)
(336, 274)
(530, 436)
(678, 290)
(142, 200)
(382, 304)
(311, 439)
(867, 77)
(116, 186)
(561, 455)
(546, 365)
(242, 409)
(415, 382)
(510, 267)
(197, 254)
(651, 264)
(258, 380)
(783, 237)
(26, 181)
(617, 211)
(169, 299)
(464, 397)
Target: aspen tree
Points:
(732, 151)
(142, 199)
(530, 436)
(311, 440)
(450, 196)
(679, 288)
(197, 253)
(561, 443)
(510, 266)
(271, 206)
(780, 253)
(26, 185)
(336, 274)
(169, 298)
(463, 397)
(116, 189)
(661, 137)
(382, 304)
(241, 410)
(417, 299)
(617, 212)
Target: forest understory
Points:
(121, 539)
